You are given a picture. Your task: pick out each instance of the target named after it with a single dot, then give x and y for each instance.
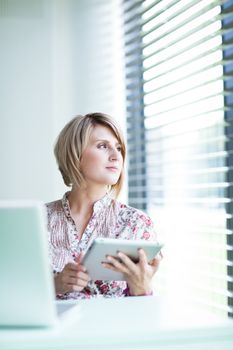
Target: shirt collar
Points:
(98, 205)
(102, 203)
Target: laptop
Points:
(27, 295)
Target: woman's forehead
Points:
(102, 132)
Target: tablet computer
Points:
(100, 247)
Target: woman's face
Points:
(102, 161)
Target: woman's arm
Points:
(139, 275)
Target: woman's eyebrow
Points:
(107, 141)
(97, 140)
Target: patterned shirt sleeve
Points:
(138, 225)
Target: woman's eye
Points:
(119, 148)
(102, 145)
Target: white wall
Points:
(58, 58)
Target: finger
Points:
(142, 258)
(76, 287)
(72, 266)
(109, 266)
(77, 282)
(72, 281)
(78, 258)
(78, 274)
(158, 257)
(82, 268)
(117, 264)
(83, 276)
(75, 267)
(127, 261)
(154, 265)
(155, 262)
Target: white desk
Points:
(128, 323)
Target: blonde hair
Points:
(72, 141)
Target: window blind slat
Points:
(179, 73)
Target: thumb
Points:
(155, 264)
(79, 258)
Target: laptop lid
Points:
(27, 292)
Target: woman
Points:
(90, 152)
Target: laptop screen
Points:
(27, 292)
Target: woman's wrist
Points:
(141, 295)
(139, 292)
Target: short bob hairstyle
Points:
(72, 141)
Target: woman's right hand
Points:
(73, 278)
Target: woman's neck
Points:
(82, 200)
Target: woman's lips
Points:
(112, 168)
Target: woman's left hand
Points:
(138, 275)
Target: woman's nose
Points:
(114, 154)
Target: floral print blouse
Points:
(110, 219)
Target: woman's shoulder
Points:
(133, 213)
(54, 207)
(135, 222)
(55, 214)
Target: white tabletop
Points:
(128, 323)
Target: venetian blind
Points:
(179, 87)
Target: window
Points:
(179, 83)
